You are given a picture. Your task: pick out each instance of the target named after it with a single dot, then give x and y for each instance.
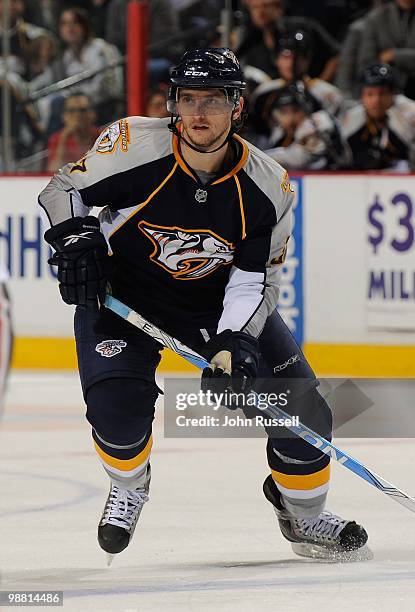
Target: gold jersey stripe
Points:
(241, 206)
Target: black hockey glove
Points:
(233, 358)
(81, 255)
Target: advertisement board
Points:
(390, 299)
(347, 287)
(291, 301)
(37, 308)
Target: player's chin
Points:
(203, 140)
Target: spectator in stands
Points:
(302, 139)
(390, 38)
(199, 19)
(41, 12)
(46, 13)
(32, 48)
(267, 19)
(380, 131)
(82, 51)
(325, 56)
(157, 104)
(78, 134)
(348, 71)
(292, 58)
(163, 23)
(258, 42)
(333, 15)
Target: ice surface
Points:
(208, 539)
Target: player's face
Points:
(286, 64)
(206, 116)
(289, 117)
(377, 101)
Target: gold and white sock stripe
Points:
(127, 473)
(303, 486)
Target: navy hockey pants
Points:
(117, 365)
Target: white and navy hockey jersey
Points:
(311, 147)
(384, 144)
(186, 254)
(323, 95)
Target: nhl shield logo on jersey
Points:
(110, 348)
(201, 196)
(187, 254)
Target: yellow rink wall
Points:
(326, 359)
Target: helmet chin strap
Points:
(173, 128)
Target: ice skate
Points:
(325, 536)
(119, 519)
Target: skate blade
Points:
(110, 559)
(313, 551)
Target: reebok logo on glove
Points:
(74, 238)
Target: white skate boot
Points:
(119, 519)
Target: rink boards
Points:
(347, 293)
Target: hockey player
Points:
(380, 131)
(5, 334)
(302, 139)
(293, 55)
(196, 221)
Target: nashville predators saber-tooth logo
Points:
(187, 254)
(116, 135)
(110, 348)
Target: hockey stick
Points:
(300, 430)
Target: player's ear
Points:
(238, 110)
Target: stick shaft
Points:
(300, 430)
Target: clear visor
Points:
(201, 103)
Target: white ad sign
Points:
(38, 310)
(390, 297)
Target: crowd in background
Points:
(330, 83)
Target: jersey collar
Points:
(229, 173)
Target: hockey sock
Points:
(125, 465)
(301, 471)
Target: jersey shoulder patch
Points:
(130, 130)
(116, 135)
(123, 145)
(269, 176)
